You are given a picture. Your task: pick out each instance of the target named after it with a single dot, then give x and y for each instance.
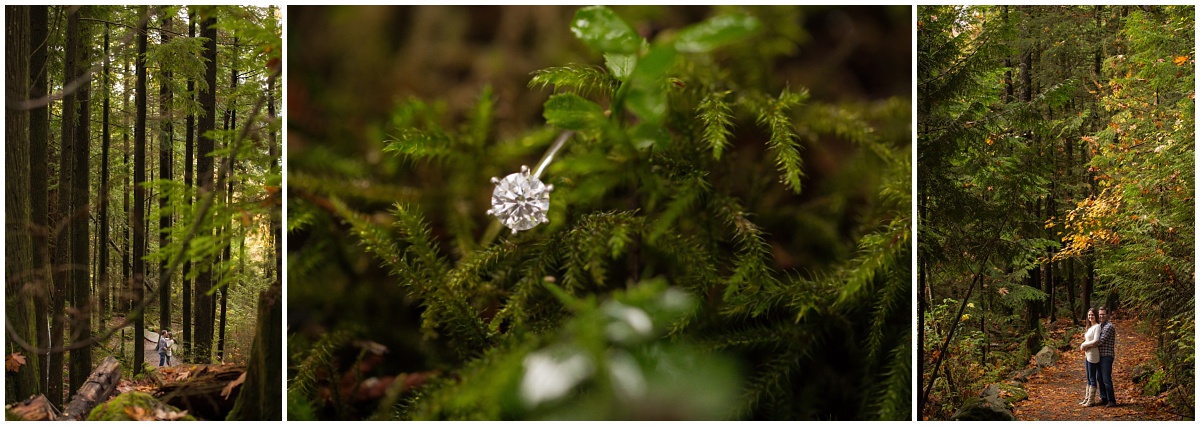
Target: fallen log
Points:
(99, 386)
(200, 393)
(35, 408)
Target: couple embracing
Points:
(1099, 345)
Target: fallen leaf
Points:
(161, 414)
(229, 388)
(136, 413)
(1179, 60)
(14, 361)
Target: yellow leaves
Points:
(989, 140)
(965, 317)
(1179, 60)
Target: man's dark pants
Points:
(1106, 382)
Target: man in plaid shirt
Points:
(1108, 351)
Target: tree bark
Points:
(164, 172)
(99, 386)
(39, 163)
(259, 397)
(201, 395)
(187, 182)
(63, 218)
(105, 141)
(34, 408)
(259, 400)
(139, 194)
(81, 297)
(231, 125)
(18, 246)
(204, 176)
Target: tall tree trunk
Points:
(164, 172)
(39, 163)
(105, 141)
(257, 400)
(62, 248)
(81, 297)
(139, 194)
(204, 177)
(230, 124)
(187, 181)
(19, 287)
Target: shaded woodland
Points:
(1056, 157)
(728, 237)
(142, 194)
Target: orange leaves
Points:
(14, 361)
(1180, 60)
(137, 413)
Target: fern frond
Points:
(776, 117)
(714, 114)
(319, 359)
(894, 398)
(480, 119)
(344, 187)
(750, 265)
(421, 145)
(580, 79)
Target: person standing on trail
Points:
(161, 348)
(1091, 364)
(170, 348)
(1108, 351)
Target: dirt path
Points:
(1054, 393)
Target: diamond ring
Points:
(520, 200)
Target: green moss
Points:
(1154, 384)
(115, 409)
(1015, 393)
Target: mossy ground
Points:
(116, 408)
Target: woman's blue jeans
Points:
(1093, 371)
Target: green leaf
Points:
(605, 32)
(716, 32)
(620, 65)
(571, 112)
(649, 135)
(647, 97)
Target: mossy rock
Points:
(117, 408)
(1015, 393)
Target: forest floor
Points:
(1054, 393)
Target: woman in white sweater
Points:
(1092, 363)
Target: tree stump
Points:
(99, 386)
(260, 398)
(35, 408)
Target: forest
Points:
(143, 213)
(728, 234)
(1055, 173)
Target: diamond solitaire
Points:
(520, 200)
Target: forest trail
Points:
(1054, 393)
